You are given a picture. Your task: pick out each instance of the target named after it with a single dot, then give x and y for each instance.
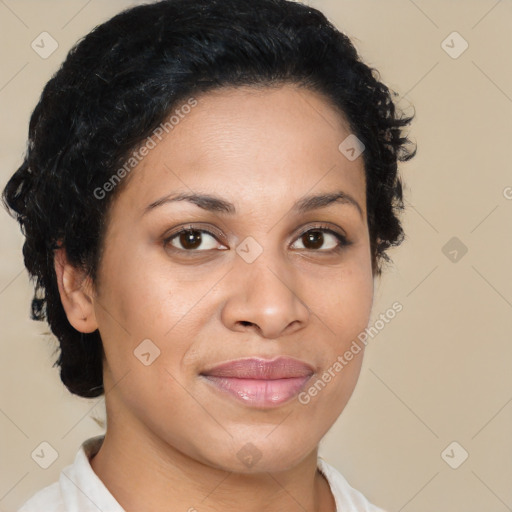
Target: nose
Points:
(265, 297)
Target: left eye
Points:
(315, 238)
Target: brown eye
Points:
(190, 239)
(321, 240)
(193, 240)
(313, 239)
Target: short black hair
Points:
(125, 77)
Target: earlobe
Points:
(75, 293)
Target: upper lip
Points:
(258, 368)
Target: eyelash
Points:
(342, 240)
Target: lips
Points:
(258, 382)
(255, 368)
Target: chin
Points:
(263, 454)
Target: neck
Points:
(169, 476)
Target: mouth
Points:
(260, 383)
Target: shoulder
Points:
(48, 499)
(346, 497)
(78, 487)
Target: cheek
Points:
(131, 306)
(345, 300)
(356, 299)
(344, 309)
(145, 299)
(140, 294)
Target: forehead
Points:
(248, 144)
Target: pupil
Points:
(315, 238)
(190, 239)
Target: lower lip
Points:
(261, 393)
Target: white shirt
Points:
(79, 489)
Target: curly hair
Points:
(121, 81)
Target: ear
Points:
(76, 293)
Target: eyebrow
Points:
(216, 204)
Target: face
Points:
(254, 276)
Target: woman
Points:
(209, 191)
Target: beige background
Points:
(440, 371)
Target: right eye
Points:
(190, 239)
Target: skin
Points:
(169, 433)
